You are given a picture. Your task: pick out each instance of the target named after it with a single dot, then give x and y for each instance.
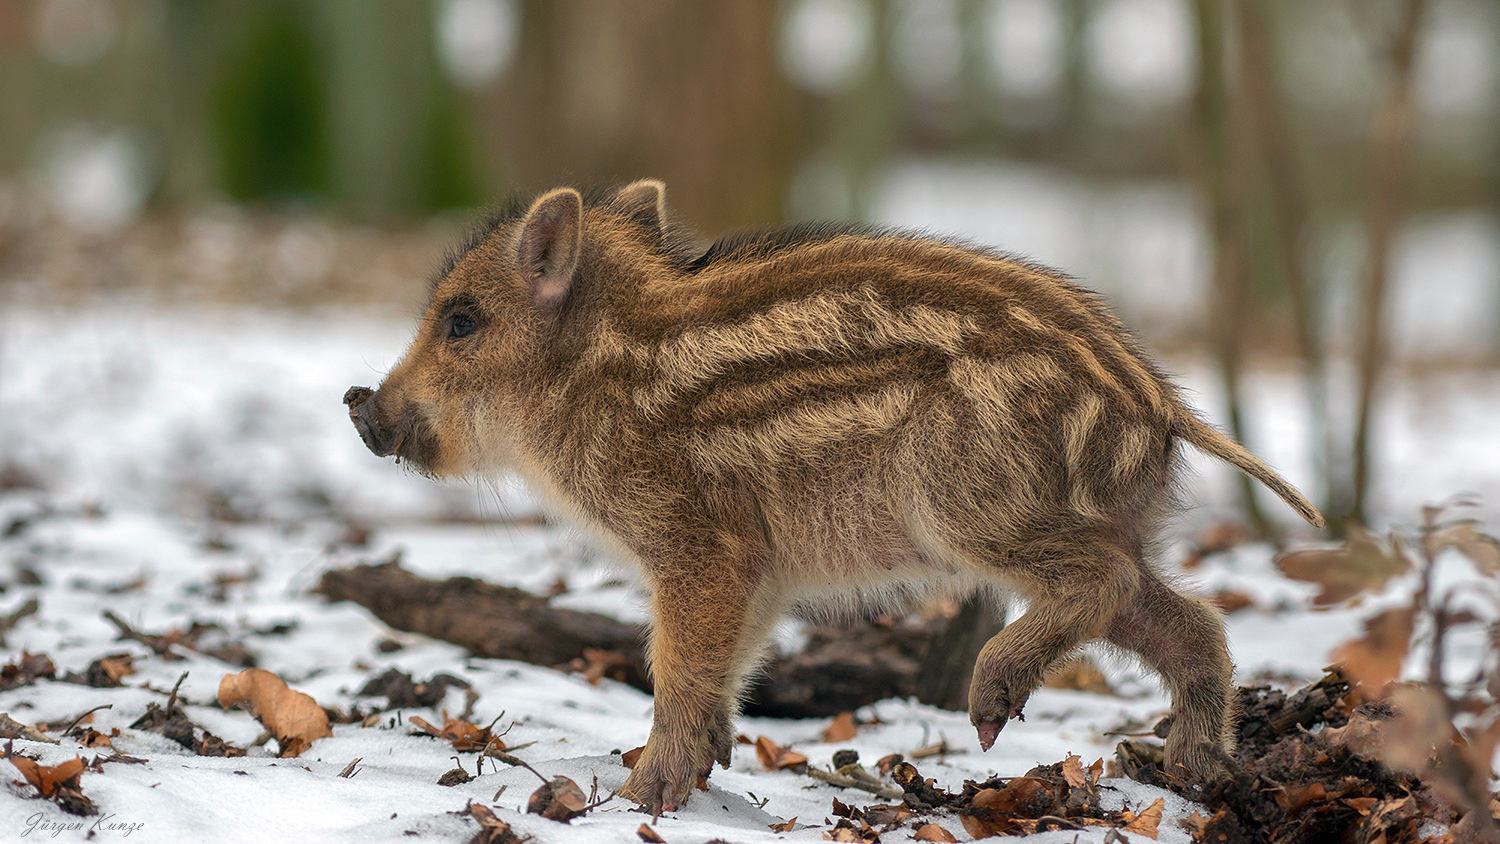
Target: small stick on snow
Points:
(86, 714)
(843, 781)
(471, 697)
(514, 761)
(172, 698)
(939, 749)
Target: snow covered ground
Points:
(215, 447)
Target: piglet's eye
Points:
(461, 325)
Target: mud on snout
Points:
(393, 429)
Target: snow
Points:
(152, 413)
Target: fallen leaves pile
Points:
(1061, 796)
(1317, 766)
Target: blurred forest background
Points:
(1311, 186)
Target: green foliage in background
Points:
(450, 176)
(284, 127)
(268, 114)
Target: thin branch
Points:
(878, 789)
(1221, 165)
(1390, 176)
(1288, 193)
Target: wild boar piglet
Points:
(816, 415)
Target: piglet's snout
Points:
(366, 422)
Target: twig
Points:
(844, 781)
(939, 749)
(84, 715)
(514, 761)
(471, 697)
(1289, 199)
(9, 621)
(1390, 181)
(172, 698)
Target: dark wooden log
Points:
(490, 621)
(840, 669)
(944, 676)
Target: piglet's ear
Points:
(550, 238)
(644, 201)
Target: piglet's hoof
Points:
(654, 788)
(989, 728)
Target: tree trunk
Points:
(943, 680)
(1290, 205)
(1390, 171)
(605, 91)
(1224, 185)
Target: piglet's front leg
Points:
(699, 634)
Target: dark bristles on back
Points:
(763, 243)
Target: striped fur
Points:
(810, 415)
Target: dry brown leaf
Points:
(26, 671)
(49, 778)
(11, 728)
(1480, 742)
(1362, 736)
(1375, 659)
(1228, 601)
(1420, 726)
(1072, 771)
(842, 729)
(1079, 674)
(980, 816)
(1095, 770)
(293, 717)
(116, 667)
(1146, 822)
(463, 735)
(1194, 824)
(774, 757)
(1392, 813)
(766, 751)
(1294, 798)
(492, 830)
(1481, 549)
(1361, 564)
(933, 832)
(94, 738)
(558, 799)
(882, 814)
(647, 834)
(847, 832)
(596, 664)
(784, 827)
